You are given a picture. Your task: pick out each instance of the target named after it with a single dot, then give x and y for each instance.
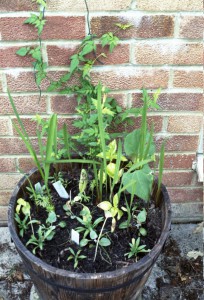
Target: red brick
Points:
(4, 198)
(4, 127)
(21, 81)
(132, 78)
(188, 79)
(186, 195)
(13, 29)
(120, 55)
(191, 27)
(14, 146)
(71, 129)
(59, 55)
(177, 179)
(64, 28)
(9, 181)
(24, 104)
(187, 124)
(9, 58)
(25, 164)
(3, 214)
(176, 5)
(63, 104)
(29, 124)
(25, 81)
(1, 88)
(181, 102)
(56, 27)
(174, 53)
(175, 101)
(122, 128)
(178, 142)
(7, 165)
(17, 5)
(143, 26)
(179, 161)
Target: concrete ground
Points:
(15, 284)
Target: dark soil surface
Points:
(56, 251)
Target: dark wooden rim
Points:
(147, 260)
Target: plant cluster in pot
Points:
(90, 221)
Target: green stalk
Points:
(51, 143)
(66, 137)
(117, 167)
(25, 137)
(143, 129)
(101, 128)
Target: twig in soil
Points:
(108, 262)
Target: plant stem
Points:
(99, 239)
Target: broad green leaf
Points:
(141, 183)
(143, 231)
(115, 200)
(105, 205)
(104, 242)
(123, 225)
(51, 217)
(62, 224)
(74, 63)
(83, 242)
(131, 144)
(110, 169)
(93, 235)
(141, 217)
(23, 51)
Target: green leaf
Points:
(141, 182)
(32, 19)
(123, 26)
(62, 224)
(23, 51)
(123, 225)
(74, 63)
(104, 242)
(51, 217)
(89, 47)
(143, 231)
(93, 235)
(83, 242)
(141, 217)
(105, 205)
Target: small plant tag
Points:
(60, 190)
(75, 236)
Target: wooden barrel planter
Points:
(57, 284)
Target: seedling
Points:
(136, 248)
(76, 257)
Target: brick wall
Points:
(162, 49)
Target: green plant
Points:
(136, 248)
(75, 256)
(88, 227)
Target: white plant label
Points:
(60, 190)
(75, 236)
